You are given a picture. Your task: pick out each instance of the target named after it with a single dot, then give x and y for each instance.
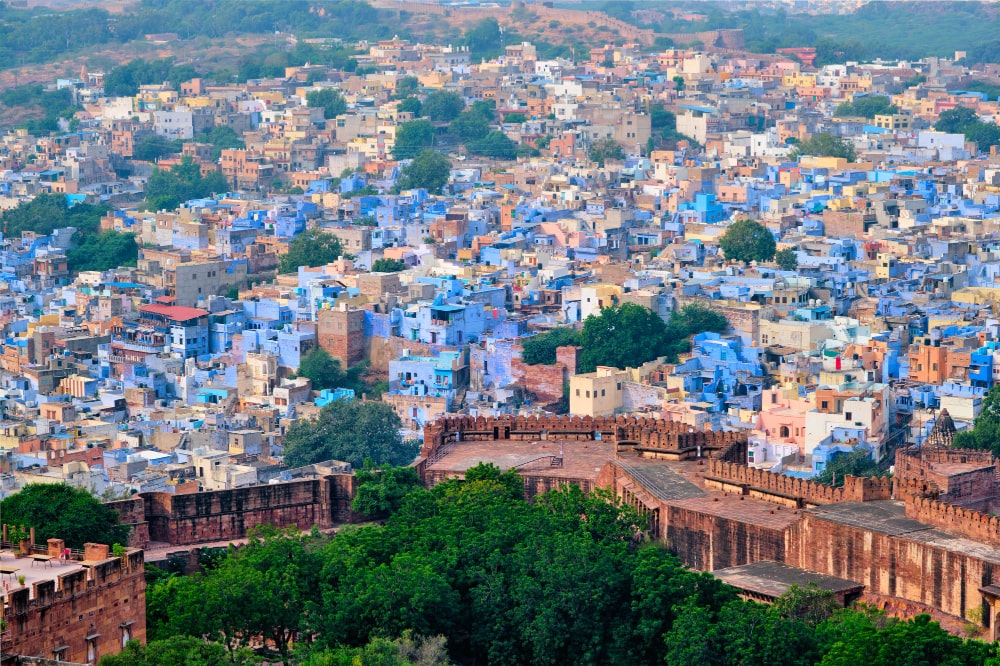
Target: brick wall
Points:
(95, 601)
(341, 334)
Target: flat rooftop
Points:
(34, 572)
(773, 579)
(581, 460)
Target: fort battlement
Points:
(648, 437)
(728, 471)
(976, 525)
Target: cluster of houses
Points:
(181, 373)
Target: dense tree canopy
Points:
(124, 80)
(104, 251)
(179, 651)
(541, 348)
(629, 335)
(313, 247)
(443, 105)
(621, 336)
(59, 511)
(428, 170)
(485, 39)
(747, 240)
(494, 579)
(44, 107)
(168, 189)
(350, 431)
(48, 212)
(824, 144)
(381, 491)
(329, 99)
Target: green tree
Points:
(747, 240)
(787, 259)
(856, 463)
(824, 144)
(485, 39)
(166, 190)
(48, 212)
(406, 86)
(325, 372)
(222, 137)
(384, 265)
(350, 431)
(103, 251)
(443, 105)
(622, 336)
(868, 106)
(541, 349)
(329, 99)
(496, 144)
(379, 492)
(411, 105)
(985, 433)
(59, 511)
(695, 318)
(178, 651)
(154, 147)
(470, 125)
(412, 138)
(606, 149)
(955, 121)
(515, 118)
(678, 82)
(313, 247)
(428, 170)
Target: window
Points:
(774, 398)
(784, 431)
(825, 405)
(847, 415)
(578, 393)
(588, 394)
(602, 393)
(619, 386)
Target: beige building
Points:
(798, 335)
(597, 393)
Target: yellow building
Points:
(893, 121)
(596, 393)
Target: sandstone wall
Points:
(228, 514)
(99, 602)
(890, 566)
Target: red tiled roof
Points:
(175, 312)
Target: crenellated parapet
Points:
(649, 436)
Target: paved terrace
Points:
(34, 572)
